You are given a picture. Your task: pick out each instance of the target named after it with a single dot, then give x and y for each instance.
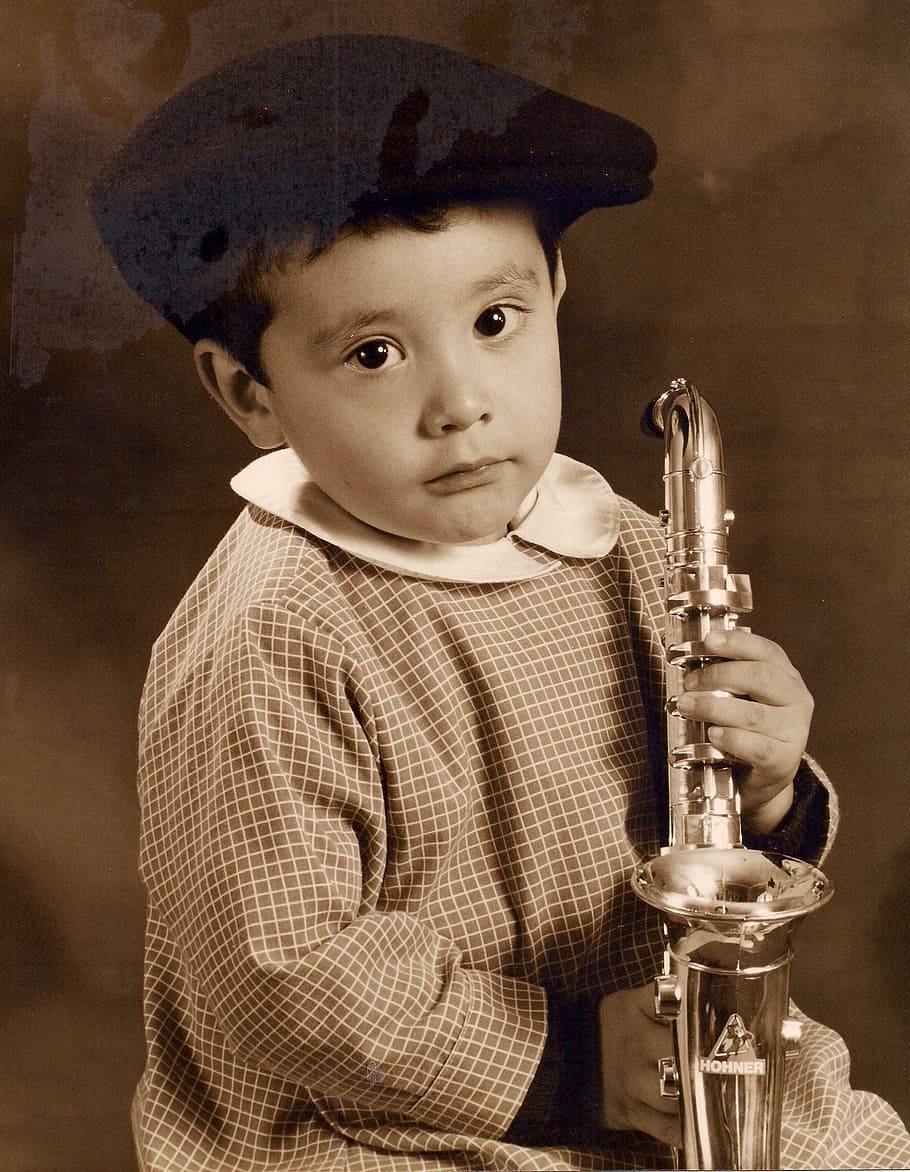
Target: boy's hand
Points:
(632, 1042)
(764, 724)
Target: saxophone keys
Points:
(791, 1031)
(668, 1072)
(691, 655)
(667, 996)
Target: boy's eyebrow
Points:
(346, 328)
(509, 275)
(358, 321)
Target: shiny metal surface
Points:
(701, 595)
(731, 887)
(728, 913)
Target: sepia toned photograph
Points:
(454, 532)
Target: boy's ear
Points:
(559, 279)
(244, 400)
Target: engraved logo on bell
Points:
(733, 1052)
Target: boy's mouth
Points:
(471, 474)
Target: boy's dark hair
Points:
(238, 318)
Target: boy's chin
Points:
(482, 531)
(470, 536)
(486, 540)
(480, 516)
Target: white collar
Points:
(571, 512)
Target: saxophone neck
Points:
(696, 517)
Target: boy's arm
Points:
(265, 848)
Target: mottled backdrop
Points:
(771, 266)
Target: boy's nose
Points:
(458, 402)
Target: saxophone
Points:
(728, 914)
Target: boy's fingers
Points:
(646, 1110)
(776, 723)
(762, 681)
(761, 752)
(662, 1126)
(630, 1071)
(736, 644)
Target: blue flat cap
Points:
(295, 141)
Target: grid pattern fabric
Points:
(384, 819)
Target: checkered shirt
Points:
(384, 820)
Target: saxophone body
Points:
(728, 913)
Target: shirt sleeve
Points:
(825, 1122)
(264, 850)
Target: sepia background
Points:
(771, 266)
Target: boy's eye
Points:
(498, 319)
(374, 355)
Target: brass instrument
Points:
(728, 913)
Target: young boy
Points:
(400, 743)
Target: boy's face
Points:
(416, 374)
